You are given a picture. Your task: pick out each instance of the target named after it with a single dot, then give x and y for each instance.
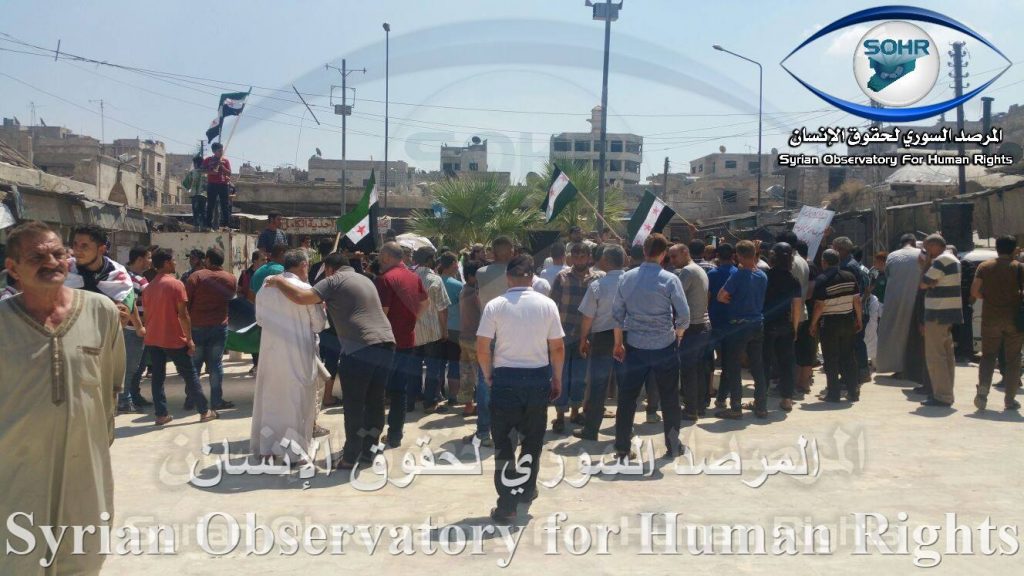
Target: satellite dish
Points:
(721, 149)
(775, 151)
(475, 139)
(318, 153)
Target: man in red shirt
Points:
(218, 185)
(209, 291)
(169, 336)
(404, 298)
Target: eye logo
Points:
(896, 63)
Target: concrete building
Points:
(723, 165)
(151, 158)
(357, 172)
(624, 154)
(471, 158)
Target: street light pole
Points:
(760, 114)
(607, 12)
(387, 74)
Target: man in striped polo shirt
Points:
(837, 307)
(942, 310)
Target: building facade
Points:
(623, 157)
(472, 158)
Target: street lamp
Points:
(387, 62)
(608, 12)
(760, 108)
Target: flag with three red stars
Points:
(651, 215)
(356, 224)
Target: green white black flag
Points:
(560, 192)
(651, 216)
(231, 104)
(356, 224)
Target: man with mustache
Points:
(62, 366)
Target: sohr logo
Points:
(896, 63)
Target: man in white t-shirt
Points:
(557, 264)
(524, 374)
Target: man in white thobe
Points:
(284, 404)
(904, 272)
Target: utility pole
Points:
(345, 111)
(958, 87)
(103, 128)
(608, 12)
(664, 180)
(387, 101)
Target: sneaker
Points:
(980, 401)
(140, 401)
(653, 418)
(558, 425)
(690, 416)
(1013, 405)
(161, 420)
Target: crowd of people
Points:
(487, 332)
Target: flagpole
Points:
(599, 216)
(234, 125)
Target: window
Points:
(730, 164)
(366, 182)
(631, 166)
(581, 145)
(752, 167)
(159, 167)
(597, 165)
(700, 168)
(561, 145)
(473, 166)
(693, 169)
(728, 197)
(615, 146)
(615, 165)
(632, 147)
(451, 167)
(319, 179)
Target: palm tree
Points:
(478, 210)
(578, 212)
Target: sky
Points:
(511, 72)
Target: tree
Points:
(478, 210)
(578, 212)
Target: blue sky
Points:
(512, 72)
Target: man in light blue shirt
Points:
(650, 307)
(598, 336)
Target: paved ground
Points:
(883, 455)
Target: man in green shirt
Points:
(273, 267)
(195, 183)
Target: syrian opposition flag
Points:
(560, 192)
(651, 216)
(356, 224)
(231, 104)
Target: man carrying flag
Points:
(651, 215)
(218, 185)
(357, 224)
(560, 192)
